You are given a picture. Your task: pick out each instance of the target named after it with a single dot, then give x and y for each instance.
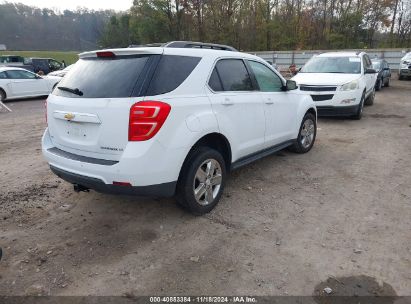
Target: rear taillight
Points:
(105, 54)
(146, 119)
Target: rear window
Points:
(103, 78)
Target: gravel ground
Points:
(286, 223)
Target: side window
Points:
(215, 82)
(170, 73)
(367, 62)
(3, 75)
(16, 74)
(55, 65)
(234, 75)
(267, 80)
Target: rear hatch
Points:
(88, 112)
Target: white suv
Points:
(340, 83)
(171, 120)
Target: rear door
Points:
(88, 112)
(238, 106)
(279, 106)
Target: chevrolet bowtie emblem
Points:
(69, 116)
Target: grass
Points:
(68, 57)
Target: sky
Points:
(118, 5)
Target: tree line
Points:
(24, 27)
(254, 25)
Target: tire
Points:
(378, 87)
(306, 135)
(387, 83)
(400, 77)
(195, 175)
(2, 95)
(370, 100)
(360, 109)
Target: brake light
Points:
(146, 119)
(105, 54)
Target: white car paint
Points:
(250, 121)
(26, 84)
(341, 98)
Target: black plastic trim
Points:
(261, 154)
(322, 97)
(337, 111)
(80, 158)
(85, 182)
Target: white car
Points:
(405, 67)
(171, 120)
(61, 73)
(20, 83)
(340, 83)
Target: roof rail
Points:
(188, 44)
(201, 45)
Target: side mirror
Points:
(386, 69)
(290, 85)
(370, 71)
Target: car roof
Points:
(341, 54)
(194, 52)
(5, 69)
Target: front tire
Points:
(306, 135)
(370, 99)
(360, 109)
(379, 84)
(202, 180)
(387, 83)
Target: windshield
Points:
(103, 78)
(407, 57)
(376, 65)
(344, 65)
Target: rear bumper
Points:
(161, 190)
(405, 72)
(337, 111)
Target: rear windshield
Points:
(103, 78)
(118, 77)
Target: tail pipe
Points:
(79, 188)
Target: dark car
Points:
(46, 65)
(384, 73)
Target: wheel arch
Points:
(215, 141)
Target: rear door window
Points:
(3, 75)
(234, 75)
(170, 73)
(104, 77)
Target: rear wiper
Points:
(73, 91)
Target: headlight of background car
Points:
(405, 64)
(353, 85)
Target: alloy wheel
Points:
(207, 182)
(307, 133)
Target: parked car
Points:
(37, 65)
(171, 120)
(383, 73)
(61, 73)
(405, 67)
(20, 83)
(340, 83)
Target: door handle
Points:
(269, 102)
(227, 102)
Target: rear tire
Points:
(202, 180)
(306, 135)
(400, 77)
